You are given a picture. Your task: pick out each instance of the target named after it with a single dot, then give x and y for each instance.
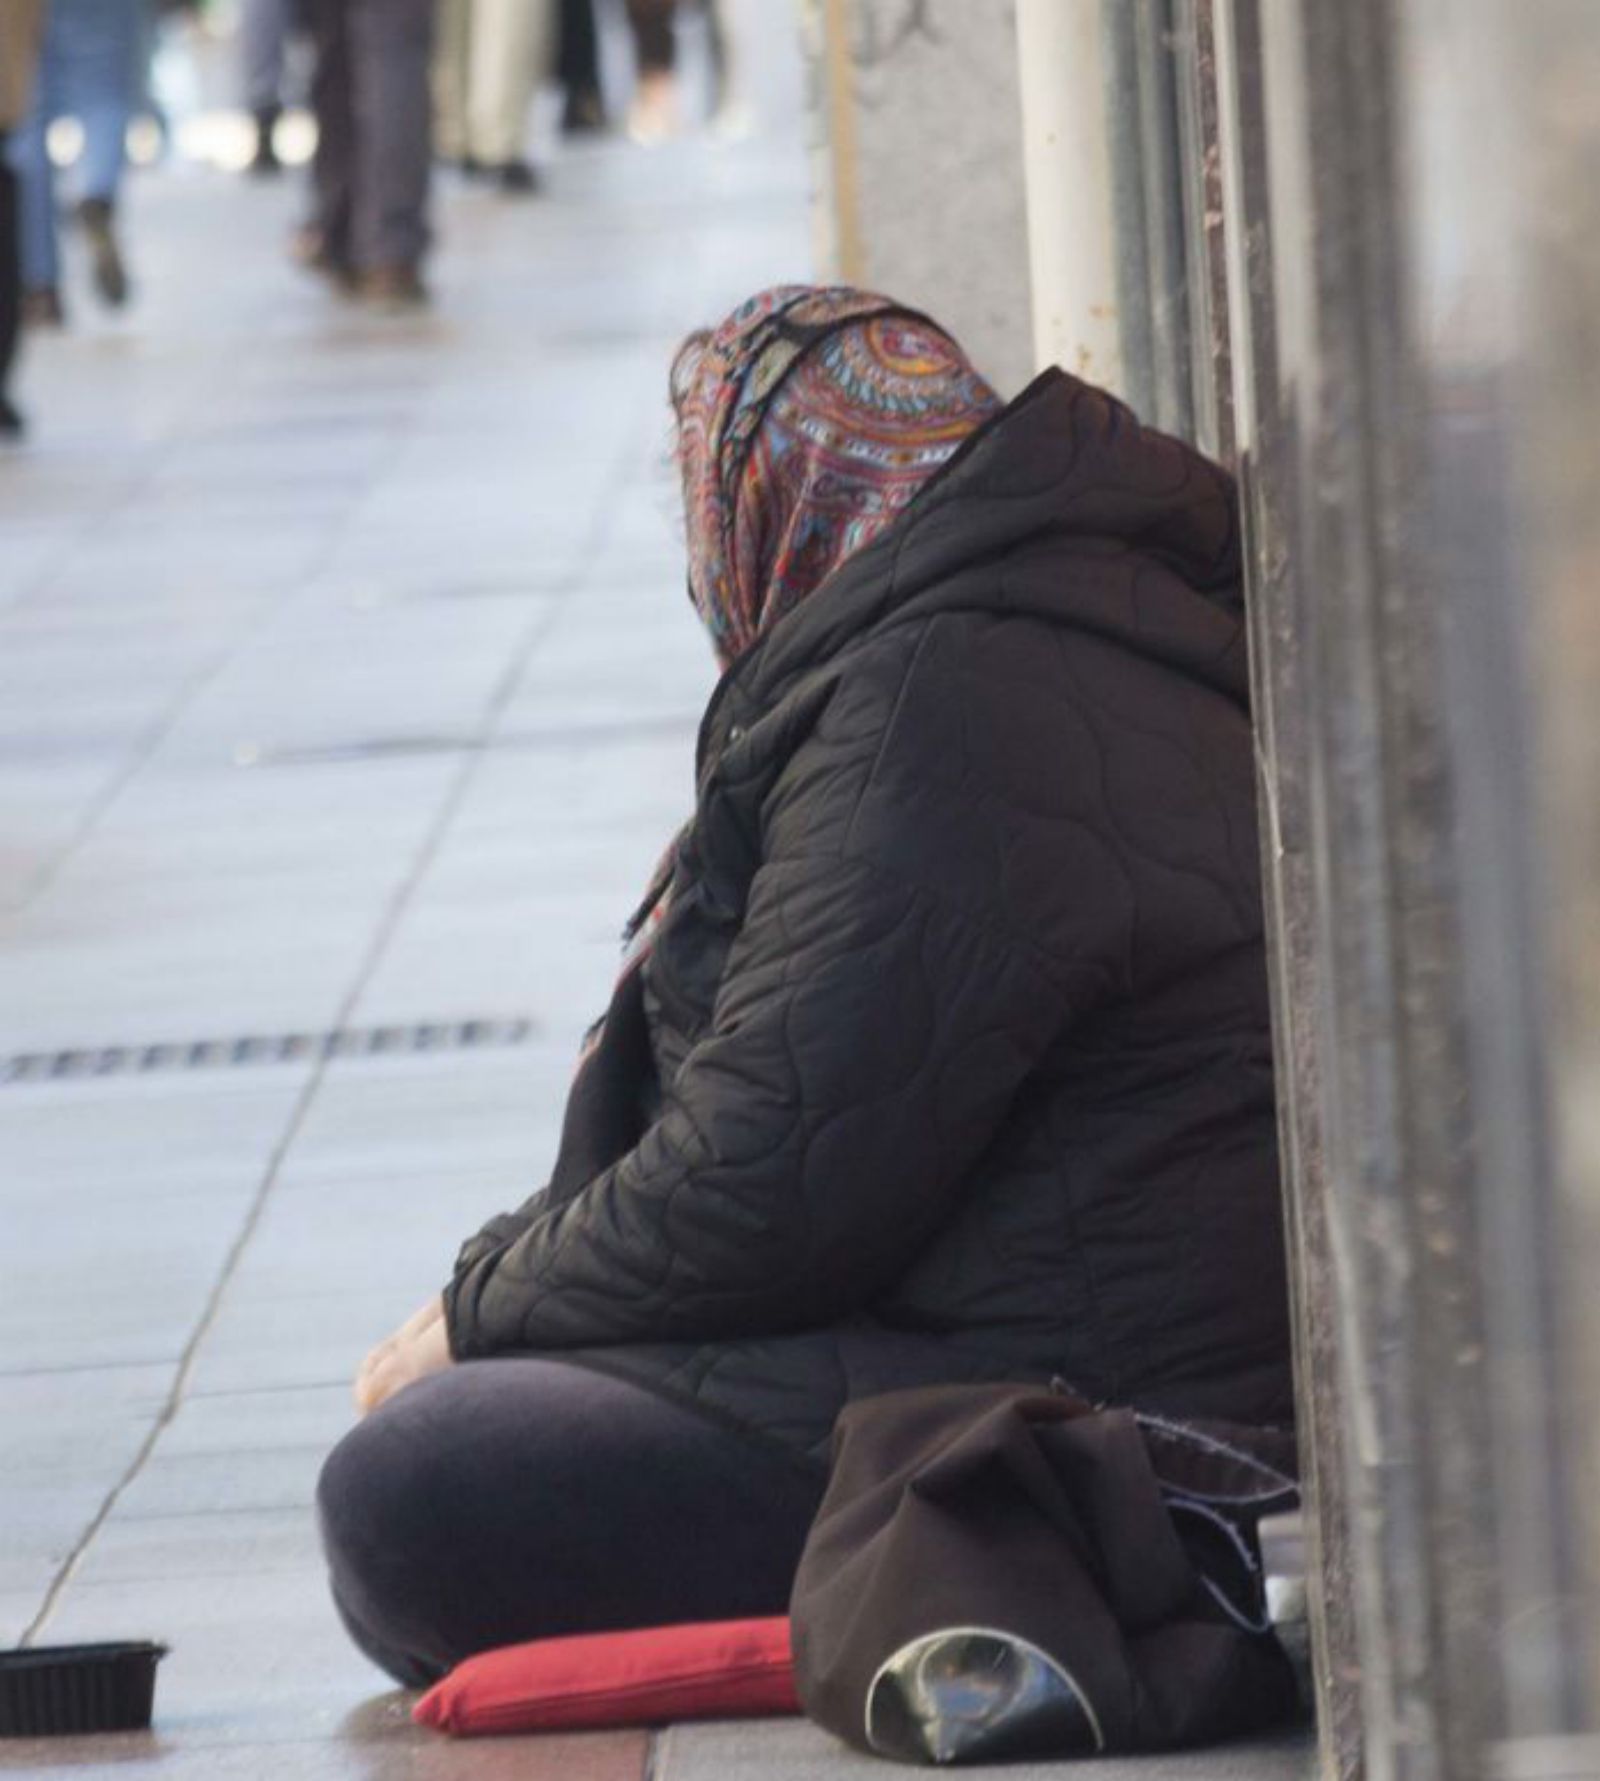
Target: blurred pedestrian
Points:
(21, 22)
(266, 32)
(583, 109)
(934, 1057)
(487, 65)
(89, 69)
(374, 146)
(654, 115)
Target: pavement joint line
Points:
(624, 730)
(149, 740)
(262, 1391)
(266, 608)
(92, 1366)
(539, 627)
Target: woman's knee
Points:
(378, 1507)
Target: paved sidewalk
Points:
(347, 688)
(347, 685)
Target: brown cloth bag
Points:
(1000, 1570)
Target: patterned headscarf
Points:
(806, 422)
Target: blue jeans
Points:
(89, 69)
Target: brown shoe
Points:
(41, 308)
(309, 249)
(105, 257)
(391, 287)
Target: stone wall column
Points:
(919, 165)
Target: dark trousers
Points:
(524, 1498)
(653, 39)
(10, 267)
(656, 44)
(374, 129)
(578, 48)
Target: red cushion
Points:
(727, 1669)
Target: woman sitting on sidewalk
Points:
(941, 1052)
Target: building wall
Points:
(920, 177)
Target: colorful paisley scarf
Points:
(806, 423)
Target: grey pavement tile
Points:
(457, 1115)
(77, 1424)
(94, 906)
(309, 1342)
(262, 977)
(371, 1228)
(252, 1478)
(193, 790)
(256, 1657)
(201, 1548)
(358, 1751)
(795, 1750)
(117, 558)
(211, 1423)
(45, 1517)
(30, 549)
(174, 611)
(69, 1148)
(134, 1322)
(17, 1609)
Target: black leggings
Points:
(524, 1498)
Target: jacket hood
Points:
(1062, 507)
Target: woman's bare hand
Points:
(419, 1347)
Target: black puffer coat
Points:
(951, 1061)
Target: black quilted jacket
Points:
(951, 1061)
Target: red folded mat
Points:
(726, 1669)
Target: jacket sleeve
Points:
(869, 1034)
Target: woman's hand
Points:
(419, 1347)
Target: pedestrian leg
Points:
(654, 39)
(451, 53)
(328, 240)
(391, 44)
(39, 251)
(578, 68)
(263, 47)
(10, 292)
(510, 50)
(104, 47)
(653, 115)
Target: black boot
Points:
(517, 178)
(110, 275)
(264, 163)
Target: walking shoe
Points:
(517, 179)
(12, 425)
(653, 115)
(391, 288)
(310, 250)
(41, 307)
(583, 113)
(264, 163)
(110, 275)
